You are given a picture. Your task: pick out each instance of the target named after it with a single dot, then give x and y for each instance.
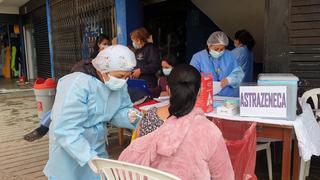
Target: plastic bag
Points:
(205, 97)
(240, 138)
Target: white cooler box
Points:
(288, 80)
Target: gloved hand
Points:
(134, 115)
(92, 166)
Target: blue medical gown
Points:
(46, 119)
(225, 66)
(245, 59)
(82, 107)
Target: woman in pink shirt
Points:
(187, 145)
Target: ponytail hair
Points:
(184, 82)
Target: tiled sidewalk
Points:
(21, 160)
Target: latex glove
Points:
(92, 166)
(224, 82)
(134, 115)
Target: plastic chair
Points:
(114, 170)
(313, 94)
(266, 146)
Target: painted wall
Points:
(276, 36)
(128, 18)
(199, 27)
(233, 15)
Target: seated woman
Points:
(167, 66)
(187, 145)
(152, 120)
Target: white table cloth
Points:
(306, 128)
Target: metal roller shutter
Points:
(304, 42)
(71, 21)
(39, 19)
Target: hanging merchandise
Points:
(6, 69)
(2, 58)
(16, 29)
(13, 62)
(18, 62)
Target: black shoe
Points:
(32, 136)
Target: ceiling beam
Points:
(9, 10)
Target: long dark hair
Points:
(245, 38)
(184, 82)
(96, 48)
(171, 60)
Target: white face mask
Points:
(166, 71)
(216, 54)
(115, 83)
(135, 45)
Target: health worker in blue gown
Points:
(244, 42)
(221, 63)
(84, 103)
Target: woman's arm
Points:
(120, 119)
(195, 62)
(219, 163)
(235, 77)
(237, 74)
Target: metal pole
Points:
(121, 21)
(50, 37)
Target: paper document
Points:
(216, 87)
(162, 98)
(157, 105)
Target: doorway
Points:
(30, 51)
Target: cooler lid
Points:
(41, 83)
(277, 77)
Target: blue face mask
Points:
(135, 45)
(216, 54)
(115, 83)
(166, 71)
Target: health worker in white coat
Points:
(219, 61)
(84, 103)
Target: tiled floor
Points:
(21, 160)
(13, 84)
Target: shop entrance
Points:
(179, 28)
(30, 52)
(11, 65)
(166, 21)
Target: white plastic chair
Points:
(313, 94)
(266, 146)
(114, 170)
